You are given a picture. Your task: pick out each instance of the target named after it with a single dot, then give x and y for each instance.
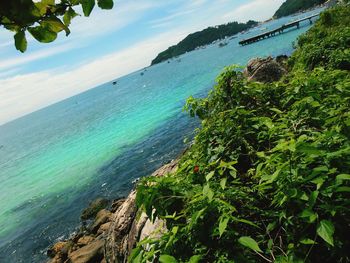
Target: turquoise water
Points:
(56, 160)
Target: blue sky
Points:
(107, 45)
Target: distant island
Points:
(290, 7)
(202, 38)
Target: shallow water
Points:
(56, 160)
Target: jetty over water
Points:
(279, 30)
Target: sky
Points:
(107, 45)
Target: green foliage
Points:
(326, 44)
(202, 38)
(267, 177)
(292, 6)
(43, 19)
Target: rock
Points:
(264, 70)
(59, 251)
(93, 208)
(116, 204)
(103, 228)
(102, 217)
(85, 240)
(281, 59)
(153, 230)
(88, 254)
(116, 243)
(166, 169)
(58, 248)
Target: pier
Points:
(279, 30)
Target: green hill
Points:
(202, 38)
(292, 6)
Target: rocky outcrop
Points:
(265, 69)
(93, 208)
(113, 233)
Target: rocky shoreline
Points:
(113, 232)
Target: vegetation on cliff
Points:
(292, 6)
(267, 178)
(202, 38)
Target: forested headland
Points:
(202, 38)
(290, 7)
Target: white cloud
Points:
(28, 57)
(26, 93)
(256, 10)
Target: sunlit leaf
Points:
(326, 230)
(223, 225)
(250, 243)
(167, 259)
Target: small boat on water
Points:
(114, 82)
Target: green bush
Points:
(267, 178)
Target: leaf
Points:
(68, 16)
(326, 230)
(87, 5)
(223, 183)
(343, 177)
(195, 259)
(20, 41)
(167, 259)
(42, 34)
(210, 175)
(55, 25)
(307, 241)
(208, 192)
(105, 4)
(223, 225)
(343, 189)
(250, 243)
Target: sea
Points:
(54, 161)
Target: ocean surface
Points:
(53, 162)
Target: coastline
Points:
(113, 232)
(109, 233)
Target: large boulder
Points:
(93, 208)
(90, 253)
(264, 70)
(102, 217)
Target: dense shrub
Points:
(267, 178)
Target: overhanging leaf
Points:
(20, 41)
(87, 5)
(326, 230)
(105, 4)
(42, 34)
(249, 243)
(55, 25)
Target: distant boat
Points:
(115, 82)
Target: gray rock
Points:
(264, 70)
